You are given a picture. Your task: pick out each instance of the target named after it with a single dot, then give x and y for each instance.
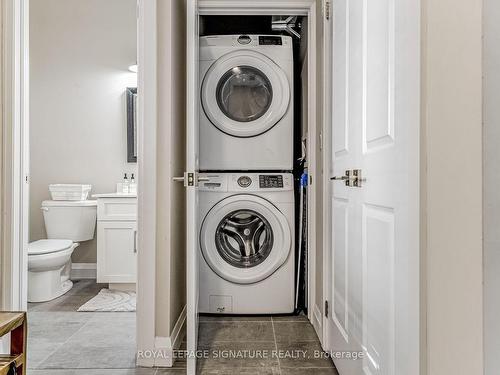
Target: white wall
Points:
(452, 185)
(79, 57)
(491, 180)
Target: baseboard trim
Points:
(165, 346)
(80, 271)
(317, 322)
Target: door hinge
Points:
(326, 309)
(327, 10)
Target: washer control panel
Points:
(268, 181)
(246, 182)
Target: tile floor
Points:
(62, 341)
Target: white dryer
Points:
(246, 111)
(247, 244)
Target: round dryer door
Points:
(245, 93)
(245, 239)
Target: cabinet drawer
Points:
(116, 209)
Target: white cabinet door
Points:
(116, 251)
(373, 263)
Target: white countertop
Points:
(114, 195)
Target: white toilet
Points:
(49, 261)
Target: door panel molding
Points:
(378, 227)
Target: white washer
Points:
(247, 244)
(246, 112)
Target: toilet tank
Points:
(70, 220)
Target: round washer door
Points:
(244, 93)
(245, 239)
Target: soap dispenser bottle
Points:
(125, 186)
(133, 186)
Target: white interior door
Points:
(192, 37)
(373, 257)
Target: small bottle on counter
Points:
(133, 186)
(125, 185)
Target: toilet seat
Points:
(41, 247)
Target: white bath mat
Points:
(111, 300)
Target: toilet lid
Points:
(48, 246)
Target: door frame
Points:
(14, 144)
(292, 8)
(15, 154)
(146, 189)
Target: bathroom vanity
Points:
(117, 240)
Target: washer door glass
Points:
(244, 94)
(244, 238)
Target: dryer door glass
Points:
(244, 94)
(244, 238)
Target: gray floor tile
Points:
(290, 318)
(54, 327)
(110, 316)
(57, 317)
(65, 303)
(86, 288)
(235, 331)
(80, 356)
(65, 340)
(169, 371)
(101, 332)
(293, 331)
(136, 371)
(39, 350)
(82, 291)
(305, 370)
(241, 371)
(235, 318)
(223, 356)
(307, 355)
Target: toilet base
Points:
(47, 285)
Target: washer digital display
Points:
(270, 181)
(270, 41)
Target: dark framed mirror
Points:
(132, 124)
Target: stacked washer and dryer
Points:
(247, 204)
